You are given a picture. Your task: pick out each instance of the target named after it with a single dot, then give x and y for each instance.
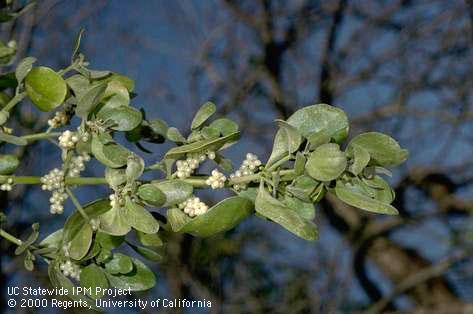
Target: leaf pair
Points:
(120, 220)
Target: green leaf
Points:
(108, 241)
(224, 126)
(111, 155)
(75, 51)
(224, 163)
(174, 135)
(202, 146)
(209, 133)
(53, 240)
(155, 255)
(299, 164)
(78, 232)
(279, 148)
(383, 149)
(92, 277)
(303, 187)
(59, 280)
(119, 264)
(140, 279)
(147, 239)
(115, 177)
(79, 85)
(331, 120)
(29, 241)
(361, 158)
(87, 102)
(221, 217)
(304, 209)
(293, 137)
(8, 164)
(134, 167)
(203, 114)
(278, 212)
(175, 191)
(23, 68)
(125, 81)
(124, 118)
(113, 222)
(318, 138)
(46, 89)
(139, 218)
(151, 194)
(327, 162)
(352, 196)
(15, 140)
(380, 189)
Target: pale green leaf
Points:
(92, 277)
(354, 197)
(139, 218)
(140, 279)
(203, 114)
(278, 212)
(46, 89)
(327, 162)
(383, 149)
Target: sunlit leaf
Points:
(45, 88)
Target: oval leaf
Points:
(113, 223)
(361, 158)
(221, 217)
(45, 88)
(92, 277)
(354, 197)
(124, 118)
(175, 191)
(278, 212)
(140, 279)
(331, 120)
(8, 164)
(119, 264)
(383, 149)
(203, 114)
(327, 162)
(151, 194)
(139, 218)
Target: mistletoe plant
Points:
(307, 161)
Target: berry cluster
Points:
(68, 139)
(57, 202)
(248, 167)
(186, 167)
(216, 180)
(7, 186)
(59, 119)
(70, 270)
(77, 164)
(193, 207)
(54, 181)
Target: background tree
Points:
(401, 67)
